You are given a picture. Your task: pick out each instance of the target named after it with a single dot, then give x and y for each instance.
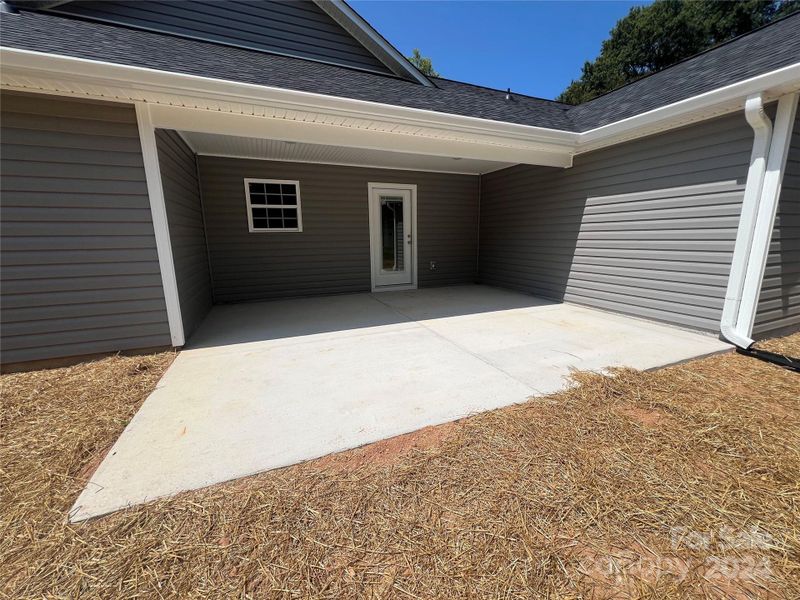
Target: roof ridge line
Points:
(501, 91)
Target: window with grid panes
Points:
(273, 205)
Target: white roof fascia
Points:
(373, 41)
(706, 105)
(195, 89)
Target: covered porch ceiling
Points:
(367, 135)
(210, 144)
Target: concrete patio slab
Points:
(270, 384)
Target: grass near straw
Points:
(684, 482)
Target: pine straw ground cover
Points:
(678, 483)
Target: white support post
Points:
(768, 208)
(155, 191)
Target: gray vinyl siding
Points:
(779, 304)
(645, 228)
(295, 28)
(331, 254)
(79, 271)
(186, 228)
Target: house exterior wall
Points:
(779, 304)
(186, 228)
(80, 273)
(296, 28)
(331, 254)
(645, 228)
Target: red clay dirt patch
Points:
(387, 452)
(86, 472)
(648, 418)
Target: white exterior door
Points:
(392, 236)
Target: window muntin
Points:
(273, 205)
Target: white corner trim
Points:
(762, 135)
(158, 208)
(767, 209)
(374, 241)
(186, 140)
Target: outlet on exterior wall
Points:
(433, 265)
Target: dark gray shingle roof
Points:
(760, 51)
(60, 35)
(763, 50)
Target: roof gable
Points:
(298, 28)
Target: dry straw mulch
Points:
(683, 482)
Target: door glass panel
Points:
(392, 241)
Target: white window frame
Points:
(251, 228)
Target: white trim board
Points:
(196, 92)
(716, 102)
(373, 41)
(158, 208)
(42, 72)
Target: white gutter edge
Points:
(780, 78)
(779, 81)
(168, 82)
(762, 129)
(767, 210)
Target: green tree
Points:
(651, 38)
(423, 63)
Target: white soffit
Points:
(270, 149)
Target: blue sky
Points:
(535, 48)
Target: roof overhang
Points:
(730, 98)
(207, 105)
(373, 41)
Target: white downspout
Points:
(768, 208)
(762, 129)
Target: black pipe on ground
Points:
(786, 362)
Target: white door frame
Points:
(374, 240)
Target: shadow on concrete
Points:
(278, 319)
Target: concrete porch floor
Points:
(270, 384)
